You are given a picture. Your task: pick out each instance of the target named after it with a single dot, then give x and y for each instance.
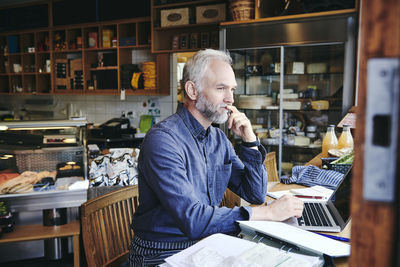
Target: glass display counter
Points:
(294, 78)
(39, 160)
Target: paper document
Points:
(278, 194)
(223, 251)
(314, 191)
(303, 239)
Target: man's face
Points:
(218, 86)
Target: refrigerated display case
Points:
(294, 78)
(32, 148)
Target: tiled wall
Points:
(96, 108)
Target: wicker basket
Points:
(242, 9)
(46, 159)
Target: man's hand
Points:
(240, 125)
(279, 210)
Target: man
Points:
(185, 166)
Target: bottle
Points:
(345, 139)
(330, 141)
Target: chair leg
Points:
(75, 241)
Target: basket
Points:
(342, 168)
(46, 159)
(242, 9)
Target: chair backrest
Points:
(106, 230)
(230, 199)
(270, 164)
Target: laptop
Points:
(330, 216)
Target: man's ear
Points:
(191, 91)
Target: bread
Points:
(24, 182)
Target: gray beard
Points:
(210, 111)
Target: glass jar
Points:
(330, 141)
(346, 139)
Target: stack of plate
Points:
(254, 102)
(149, 73)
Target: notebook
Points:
(330, 216)
(293, 239)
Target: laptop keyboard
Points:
(314, 215)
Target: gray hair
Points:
(196, 66)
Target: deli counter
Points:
(43, 178)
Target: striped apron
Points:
(152, 253)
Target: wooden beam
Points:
(373, 233)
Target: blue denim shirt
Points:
(184, 171)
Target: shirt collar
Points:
(192, 123)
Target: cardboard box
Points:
(295, 68)
(316, 68)
(62, 76)
(107, 37)
(210, 13)
(174, 17)
(92, 40)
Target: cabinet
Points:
(93, 58)
(291, 86)
(186, 30)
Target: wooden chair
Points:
(230, 199)
(270, 164)
(106, 230)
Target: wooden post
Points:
(374, 230)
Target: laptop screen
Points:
(341, 197)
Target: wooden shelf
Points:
(69, 51)
(188, 3)
(57, 43)
(162, 37)
(100, 49)
(182, 50)
(105, 68)
(293, 17)
(185, 26)
(134, 46)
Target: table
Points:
(340, 262)
(38, 201)
(32, 232)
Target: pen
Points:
(335, 237)
(312, 197)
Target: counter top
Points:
(51, 199)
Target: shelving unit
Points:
(78, 59)
(314, 72)
(190, 36)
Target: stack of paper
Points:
(223, 251)
(305, 240)
(314, 191)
